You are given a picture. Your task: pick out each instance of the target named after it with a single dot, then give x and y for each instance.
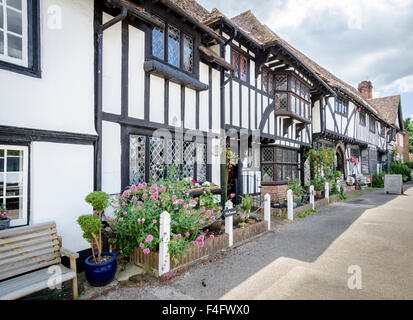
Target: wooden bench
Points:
(25, 257)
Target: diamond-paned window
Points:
(243, 67)
(201, 159)
(157, 158)
(268, 155)
(281, 101)
(188, 53)
(188, 159)
(174, 36)
(235, 63)
(281, 83)
(158, 42)
(267, 173)
(137, 147)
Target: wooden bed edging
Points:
(195, 253)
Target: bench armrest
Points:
(68, 253)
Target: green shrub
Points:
(295, 186)
(378, 180)
(409, 165)
(400, 168)
(319, 183)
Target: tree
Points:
(408, 126)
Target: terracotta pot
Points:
(216, 226)
(236, 219)
(251, 221)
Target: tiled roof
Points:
(193, 8)
(215, 57)
(387, 108)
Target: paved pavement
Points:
(309, 259)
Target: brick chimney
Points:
(366, 89)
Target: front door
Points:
(340, 161)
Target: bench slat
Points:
(8, 247)
(9, 240)
(28, 257)
(28, 229)
(26, 250)
(16, 271)
(29, 283)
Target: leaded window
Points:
(372, 124)
(281, 83)
(281, 101)
(279, 165)
(158, 43)
(172, 45)
(156, 158)
(201, 160)
(188, 159)
(188, 53)
(137, 147)
(240, 64)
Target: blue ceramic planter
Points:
(101, 274)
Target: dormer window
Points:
(170, 46)
(240, 64)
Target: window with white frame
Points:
(14, 182)
(14, 32)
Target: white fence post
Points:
(165, 234)
(229, 223)
(267, 210)
(312, 197)
(290, 205)
(327, 191)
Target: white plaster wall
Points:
(63, 99)
(190, 108)
(253, 111)
(216, 163)
(157, 99)
(111, 157)
(235, 104)
(61, 177)
(216, 101)
(316, 117)
(174, 104)
(227, 104)
(258, 113)
(245, 100)
(136, 73)
(329, 117)
(204, 98)
(112, 67)
(252, 72)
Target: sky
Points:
(354, 39)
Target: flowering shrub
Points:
(3, 212)
(137, 217)
(322, 162)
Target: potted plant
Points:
(298, 191)
(4, 219)
(100, 267)
(319, 183)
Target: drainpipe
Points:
(98, 111)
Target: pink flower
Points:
(143, 220)
(179, 235)
(123, 204)
(146, 251)
(193, 201)
(195, 243)
(145, 195)
(180, 201)
(144, 184)
(139, 220)
(201, 243)
(95, 212)
(211, 236)
(108, 229)
(187, 212)
(186, 206)
(201, 238)
(232, 195)
(126, 193)
(125, 213)
(197, 184)
(140, 186)
(154, 221)
(213, 218)
(202, 209)
(165, 233)
(110, 218)
(173, 197)
(120, 219)
(133, 188)
(140, 202)
(154, 187)
(201, 221)
(187, 234)
(134, 199)
(141, 245)
(149, 238)
(208, 212)
(163, 189)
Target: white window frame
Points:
(24, 62)
(25, 150)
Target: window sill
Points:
(31, 72)
(278, 183)
(162, 70)
(292, 115)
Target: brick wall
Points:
(276, 192)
